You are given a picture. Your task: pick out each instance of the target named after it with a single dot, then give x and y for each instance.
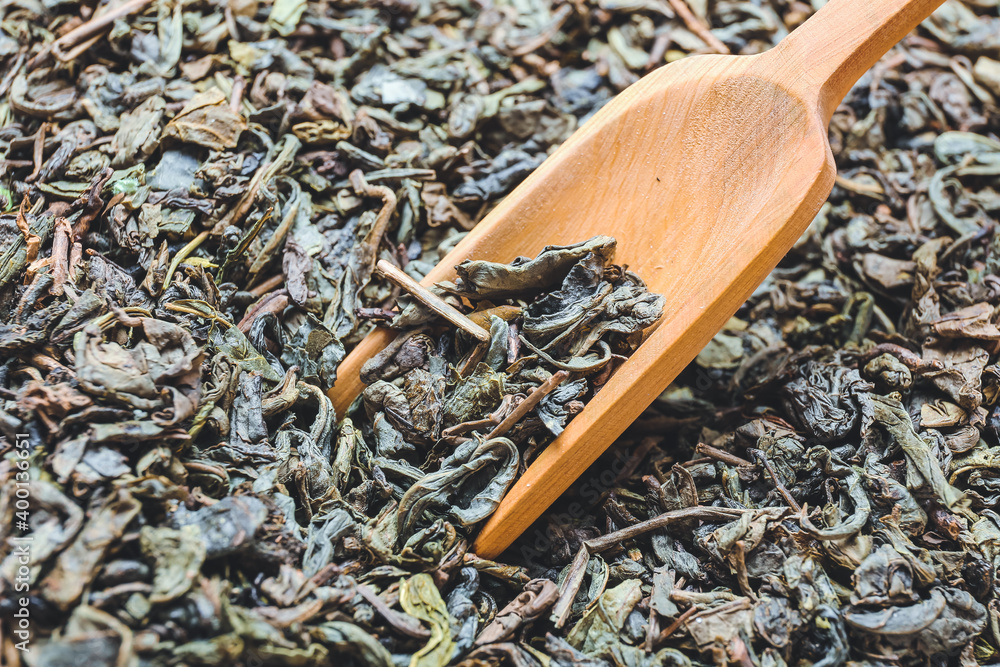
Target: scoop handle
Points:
(833, 48)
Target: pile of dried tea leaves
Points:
(194, 197)
(452, 420)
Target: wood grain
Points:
(706, 171)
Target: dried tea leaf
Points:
(76, 566)
(207, 120)
(490, 280)
(419, 598)
(139, 133)
(177, 556)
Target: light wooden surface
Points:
(706, 172)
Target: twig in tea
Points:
(60, 254)
(777, 482)
(275, 303)
(525, 406)
(374, 236)
(570, 586)
(94, 26)
(431, 300)
(678, 622)
(720, 455)
(270, 284)
(697, 27)
(614, 539)
(38, 153)
(405, 624)
(179, 257)
(375, 314)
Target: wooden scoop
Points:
(706, 171)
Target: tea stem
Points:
(275, 303)
(703, 513)
(94, 26)
(272, 283)
(678, 622)
(38, 153)
(525, 406)
(697, 27)
(720, 455)
(785, 493)
(570, 587)
(405, 624)
(431, 300)
(60, 255)
(180, 256)
(374, 236)
(178, 308)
